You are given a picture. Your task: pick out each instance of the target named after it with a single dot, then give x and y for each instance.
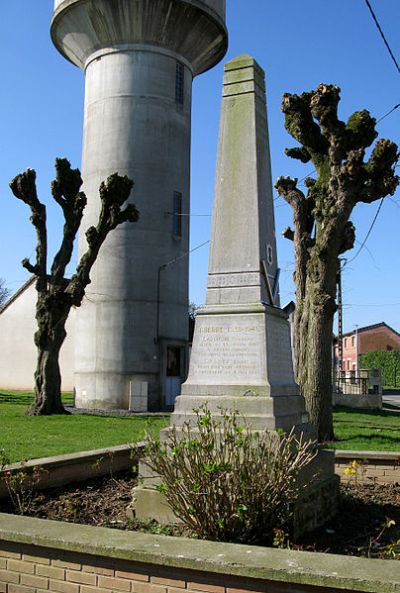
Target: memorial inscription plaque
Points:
(230, 352)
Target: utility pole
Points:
(340, 315)
(356, 330)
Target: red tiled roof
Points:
(370, 327)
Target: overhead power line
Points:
(388, 113)
(368, 234)
(172, 261)
(382, 35)
(190, 215)
(371, 305)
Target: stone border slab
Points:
(382, 456)
(210, 558)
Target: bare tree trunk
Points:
(51, 315)
(301, 344)
(317, 387)
(48, 383)
(314, 339)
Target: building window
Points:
(345, 342)
(177, 215)
(389, 348)
(353, 341)
(173, 361)
(179, 83)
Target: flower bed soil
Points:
(367, 522)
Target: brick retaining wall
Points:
(368, 466)
(38, 556)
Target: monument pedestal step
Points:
(249, 407)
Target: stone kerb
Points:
(38, 556)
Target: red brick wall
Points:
(32, 569)
(378, 339)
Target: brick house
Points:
(370, 338)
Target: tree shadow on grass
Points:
(347, 424)
(372, 413)
(26, 398)
(23, 399)
(383, 439)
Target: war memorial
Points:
(241, 356)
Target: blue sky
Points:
(299, 44)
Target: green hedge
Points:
(389, 362)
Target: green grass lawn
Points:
(26, 437)
(366, 430)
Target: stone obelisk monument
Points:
(139, 58)
(241, 356)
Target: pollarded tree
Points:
(56, 294)
(322, 229)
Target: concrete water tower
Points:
(139, 59)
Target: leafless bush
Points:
(227, 482)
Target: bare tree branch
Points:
(299, 153)
(23, 187)
(288, 233)
(65, 190)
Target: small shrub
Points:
(21, 485)
(377, 548)
(227, 482)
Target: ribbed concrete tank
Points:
(139, 59)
